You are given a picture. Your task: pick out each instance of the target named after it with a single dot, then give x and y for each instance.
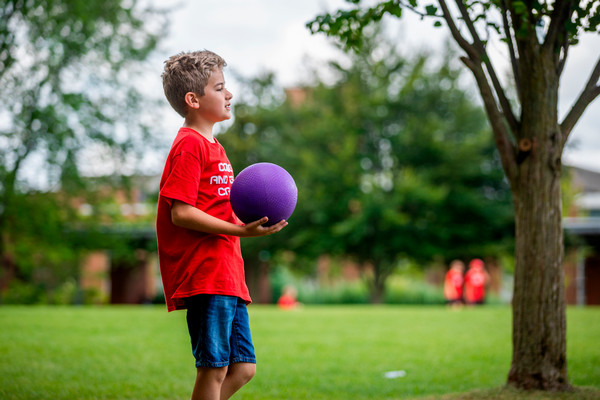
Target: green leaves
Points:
(431, 10)
(519, 8)
(66, 66)
(348, 25)
(586, 15)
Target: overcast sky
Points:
(270, 35)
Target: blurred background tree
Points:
(72, 109)
(393, 161)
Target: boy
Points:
(199, 235)
(453, 284)
(476, 279)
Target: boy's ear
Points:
(192, 100)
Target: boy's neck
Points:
(202, 129)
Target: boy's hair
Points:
(188, 72)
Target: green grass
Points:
(313, 353)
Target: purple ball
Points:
(263, 189)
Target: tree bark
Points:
(539, 359)
(377, 283)
(539, 323)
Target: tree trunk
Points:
(380, 275)
(377, 292)
(539, 323)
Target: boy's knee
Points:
(251, 371)
(245, 371)
(213, 374)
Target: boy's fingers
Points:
(258, 222)
(266, 230)
(280, 225)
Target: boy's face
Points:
(215, 105)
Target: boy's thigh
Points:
(219, 330)
(242, 349)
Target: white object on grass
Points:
(395, 374)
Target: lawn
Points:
(312, 353)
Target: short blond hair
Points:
(188, 72)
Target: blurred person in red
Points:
(476, 279)
(288, 299)
(453, 284)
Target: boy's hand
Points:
(255, 228)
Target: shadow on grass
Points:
(507, 393)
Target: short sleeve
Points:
(183, 179)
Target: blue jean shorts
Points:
(219, 330)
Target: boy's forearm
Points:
(189, 217)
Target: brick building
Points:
(582, 261)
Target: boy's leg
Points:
(238, 375)
(220, 334)
(243, 361)
(209, 319)
(208, 383)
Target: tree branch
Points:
(588, 94)
(496, 118)
(557, 38)
(560, 15)
(454, 31)
(471, 27)
(480, 47)
(565, 53)
(497, 121)
(511, 47)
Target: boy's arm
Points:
(187, 216)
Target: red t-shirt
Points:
(475, 285)
(454, 279)
(197, 172)
(286, 302)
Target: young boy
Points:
(198, 234)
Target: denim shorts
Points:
(219, 330)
